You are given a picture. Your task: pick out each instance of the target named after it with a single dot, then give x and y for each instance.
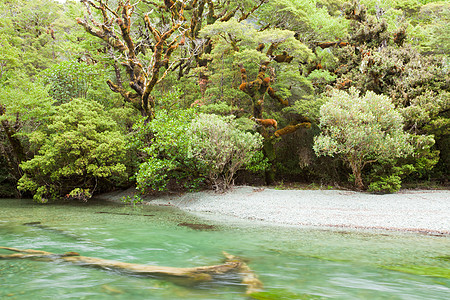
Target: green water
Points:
(292, 263)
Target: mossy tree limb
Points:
(325, 45)
(130, 33)
(257, 89)
(291, 128)
(143, 79)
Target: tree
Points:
(24, 106)
(313, 21)
(28, 36)
(361, 130)
(80, 151)
(382, 54)
(146, 44)
(271, 58)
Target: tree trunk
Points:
(357, 172)
(269, 153)
(178, 275)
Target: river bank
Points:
(420, 211)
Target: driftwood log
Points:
(179, 275)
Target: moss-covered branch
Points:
(291, 128)
(143, 76)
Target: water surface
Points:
(292, 263)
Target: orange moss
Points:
(286, 130)
(305, 125)
(267, 122)
(168, 3)
(291, 128)
(344, 84)
(183, 40)
(326, 44)
(197, 103)
(243, 74)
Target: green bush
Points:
(81, 150)
(194, 149)
(361, 130)
(386, 184)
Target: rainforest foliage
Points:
(97, 95)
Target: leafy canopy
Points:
(361, 130)
(79, 150)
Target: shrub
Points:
(80, 150)
(361, 130)
(222, 148)
(194, 149)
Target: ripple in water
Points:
(295, 263)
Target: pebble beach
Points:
(420, 211)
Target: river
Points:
(292, 263)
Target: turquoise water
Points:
(291, 263)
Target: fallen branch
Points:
(187, 275)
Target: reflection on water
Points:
(292, 263)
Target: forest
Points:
(101, 95)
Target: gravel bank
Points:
(416, 211)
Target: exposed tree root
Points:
(179, 275)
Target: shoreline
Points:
(415, 211)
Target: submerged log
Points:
(249, 278)
(186, 275)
